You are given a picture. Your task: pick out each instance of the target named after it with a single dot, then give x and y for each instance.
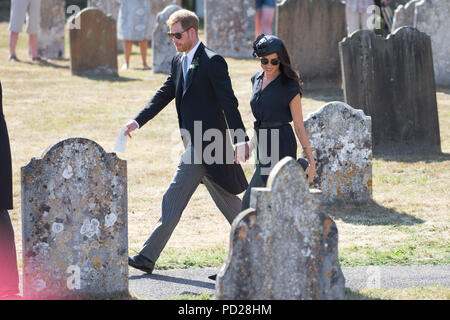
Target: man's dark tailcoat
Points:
(6, 197)
(207, 97)
(9, 277)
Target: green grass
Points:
(191, 258)
(416, 293)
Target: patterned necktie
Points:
(185, 70)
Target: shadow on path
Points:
(178, 280)
(369, 213)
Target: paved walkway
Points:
(165, 284)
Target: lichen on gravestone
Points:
(74, 223)
(283, 247)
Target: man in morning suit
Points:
(200, 84)
(9, 276)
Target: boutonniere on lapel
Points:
(194, 64)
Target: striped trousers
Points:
(185, 181)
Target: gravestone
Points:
(109, 7)
(158, 6)
(404, 15)
(74, 223)
(51, 34)
(93, 47)
(162, 46)
(392, 80)
(283, 247)
(432, 17)
(230, 27)
(311, 31)
(343, 141)
(394, 4)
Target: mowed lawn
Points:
(406, 223)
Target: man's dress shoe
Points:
(213, 277)
(142, 263)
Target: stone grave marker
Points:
(343, 141)
(51, 34)
(162, 46)
(74, 223)
(93, 47)
(230, 27)
(392, 80)
(108, 7)
(311, 31)
(430, 17)
(158, 6)
(404, 15)
(283, 247)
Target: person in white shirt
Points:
(31, 9)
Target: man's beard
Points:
(184, 47)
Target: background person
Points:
(265, 12)
(31, 9)
(132, 25)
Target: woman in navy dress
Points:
(275, 102)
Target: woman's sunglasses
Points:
(177, 35)
(273, 62)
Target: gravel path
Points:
(165, 284)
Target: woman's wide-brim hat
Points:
(265, 45)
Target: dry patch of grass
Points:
(415, 293)
(407, 221)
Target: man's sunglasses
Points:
(177, 35)
(273, 62)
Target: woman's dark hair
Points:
(286, 67)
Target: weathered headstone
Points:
(158, 6)
(51, 34)
(93, 47)
(430, 17)
(394, 4)
(229, 27)
(109, 7)
(74, 223)
(283, 247)
(392, 80)
(311, 31)
(162, 47)
(343, 141)
(404, 15)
